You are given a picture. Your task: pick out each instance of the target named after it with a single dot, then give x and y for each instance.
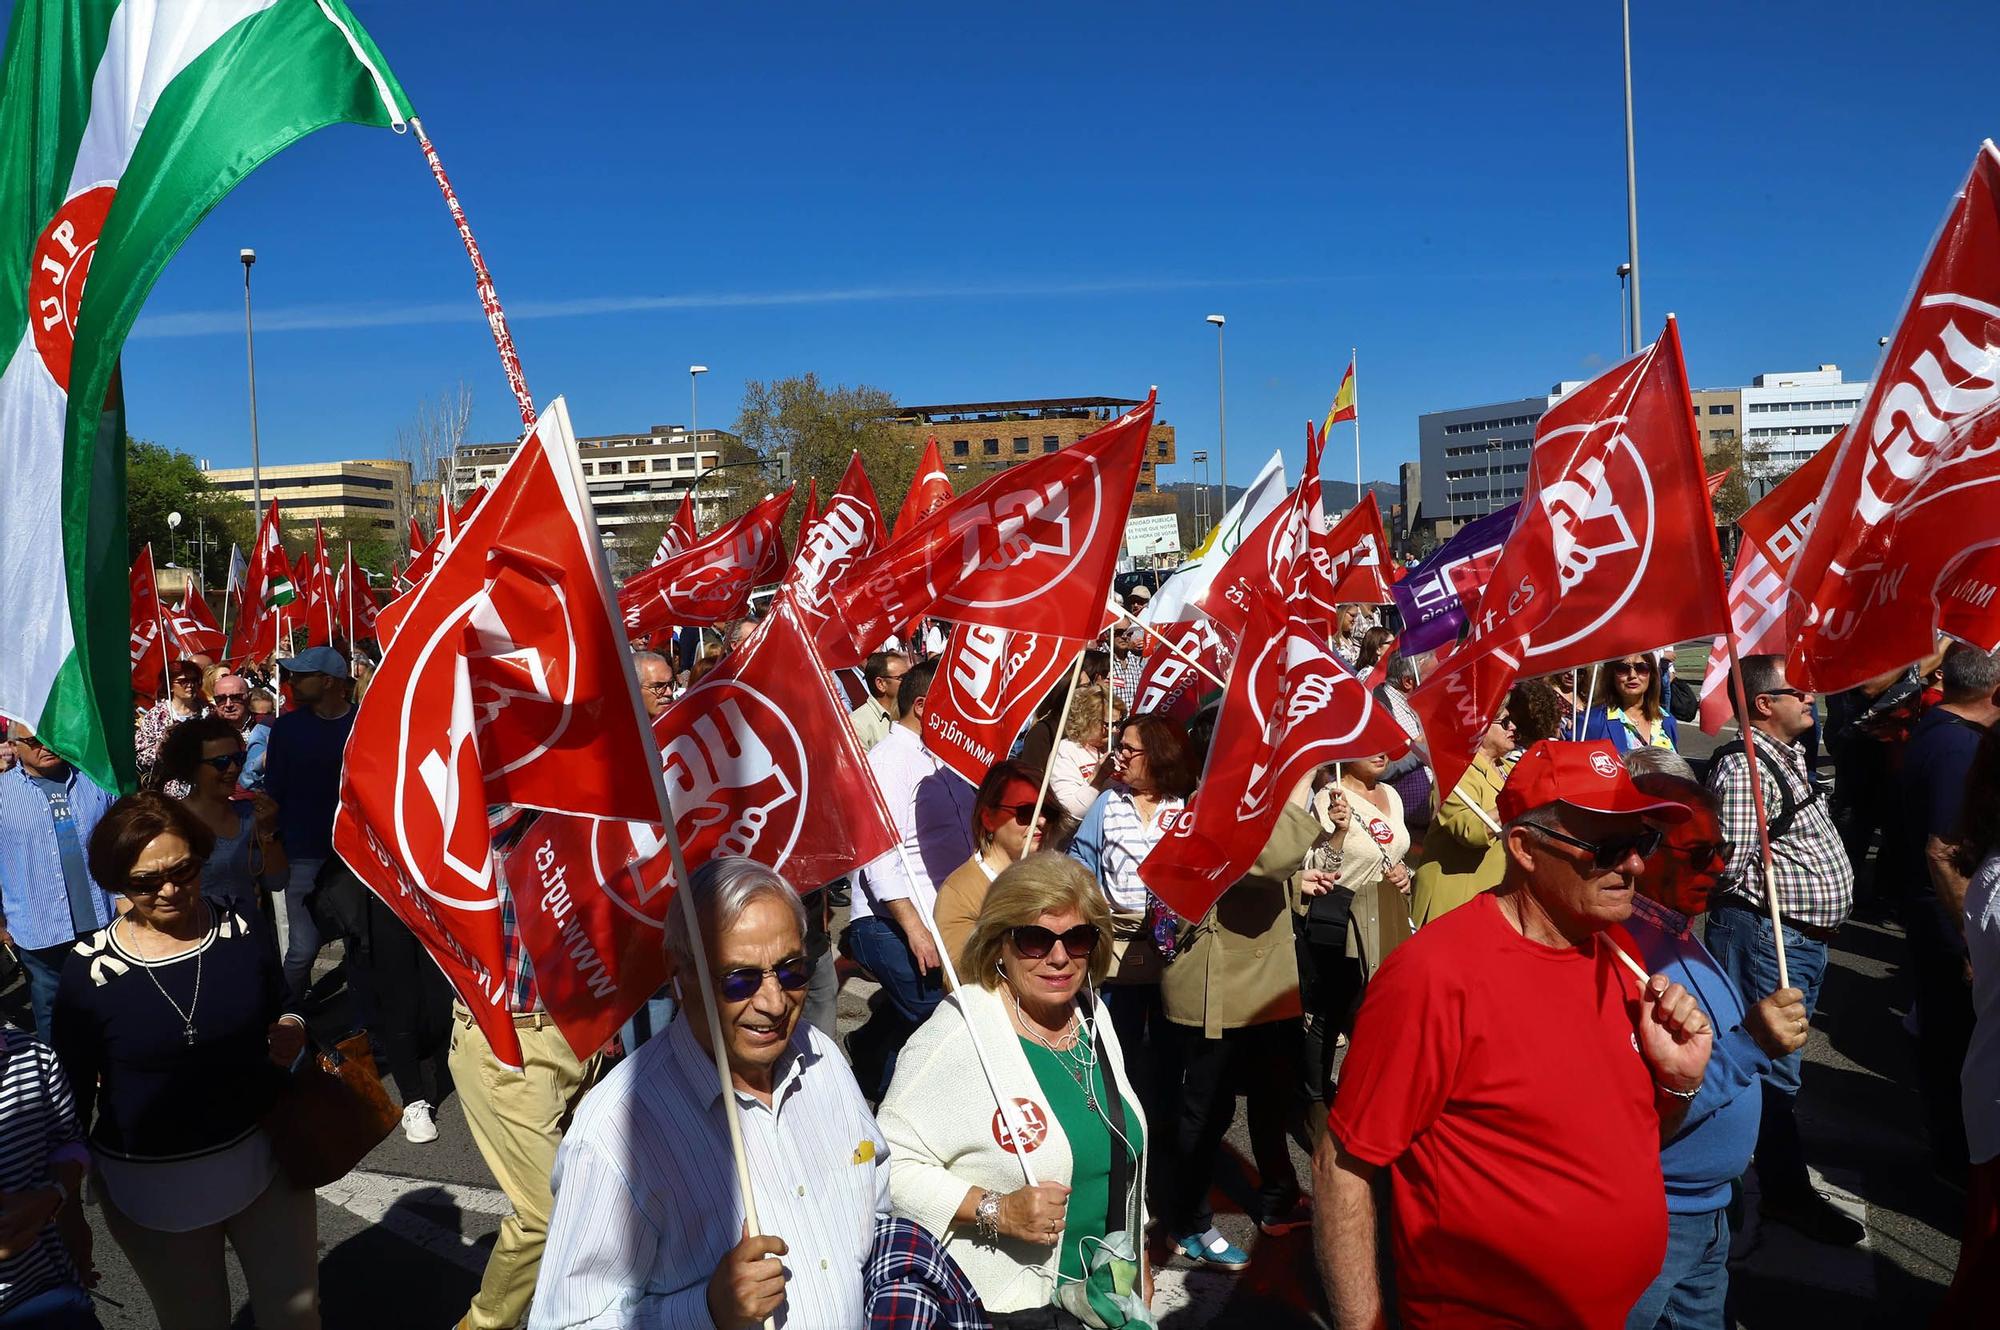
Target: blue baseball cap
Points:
(317, 660)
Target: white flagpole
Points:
(1062, 723)
(347, 572)
(1154, 634)
(1353, 354)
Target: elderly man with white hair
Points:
(648, 1227)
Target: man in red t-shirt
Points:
(1515, 1076)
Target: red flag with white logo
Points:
(848, 531)
(988, 683)
(710, 582)
(269, 596)
(192, 626)
(680, 532)
(1915, 483)
(506, 681)
(1285, 561)
(149, 629)
(316, 592)
(1762, 613)
(1291, 706)
(354, 607)
(1034, 548)
(1169, 685)
(1357, 550)
(761, 761)
(930, 490)
(1613, 551)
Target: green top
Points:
(1090, 1147)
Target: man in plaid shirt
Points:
(1815, 886)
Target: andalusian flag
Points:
(1343, 401)
(121, 125)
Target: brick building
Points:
(976, 438)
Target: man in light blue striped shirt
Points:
(648, 1227)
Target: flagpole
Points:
(347, 571)
(1110, 697)
(1757, 803)
(1062, 723)
(1154, 634)
(160, 627)
(1353, 355)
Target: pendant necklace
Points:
(187, 1017)
(1085, 1056)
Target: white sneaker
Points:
(419, 1126)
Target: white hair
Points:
(722, 890)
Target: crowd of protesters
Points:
(1437, 993)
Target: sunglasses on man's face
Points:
(1798, 693)
(1711, 857)
(741, 984)
(183, 874)
(1608, 854)
(223, 699)
(1033, 942)
(225, 764)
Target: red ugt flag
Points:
(1291, 706)
(848, 531)
(149, 635)
(988, 682)
(761, 761)
(1915, 483)
(1763, 614)
(930, 490)
(1034, 548)
(709, 582)
(506, 681)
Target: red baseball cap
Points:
(1589, 776)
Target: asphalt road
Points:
(404, 1238)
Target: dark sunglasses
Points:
(183, 874)
(226, 763)
(1710, 858)
(1627, 667)
(740, 985)
(1022, 812)
(1033, 941)
(220, 698)
(1607, 855)
(1799, 693)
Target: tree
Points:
(813, 430)
(430, 442)
(159, 481)
(1750, 476)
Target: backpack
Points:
(1789, 804)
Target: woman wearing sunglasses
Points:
(1033, 1251)
(1001, 812)
(1462, 852)
(200, 764)
(171, 1026)
(1626, 708)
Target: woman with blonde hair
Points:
(1036, 1252)
(1079, 753)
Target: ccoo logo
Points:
(1604, 517)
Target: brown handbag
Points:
(331, 1113)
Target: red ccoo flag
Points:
(930, 490)
(1613, 551)
(848, 531)
(680, 532)
(988, 682)
(149, 629)
(1034, 548)
(506, 681)
(760, 760)
(1357, 549)
(1915, 482)
(1291, 707)
(354, 607)
(269, 596)
(316, 591)
(709, 582)
(1285, 561)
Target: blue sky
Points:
(1041, 200)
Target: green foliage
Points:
(815, 430)
(159, 481)
(1747, 465)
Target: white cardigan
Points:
(942, 1124)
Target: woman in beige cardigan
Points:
(1462, 855)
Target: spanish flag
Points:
(1343, 401)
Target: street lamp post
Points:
(1631, 186)
(693, 370)
(173, 535)
(1624, 309)
(1221, 417)
(1201, 515)
(249, 258)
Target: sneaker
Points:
(1211, 1248)
(1816, 1217)
(419, 1126)
(1299, 1214)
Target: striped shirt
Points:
(38, 1128)
(1814, 877)
(646, 1202)
(1128, 839)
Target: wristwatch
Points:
(986, 1217)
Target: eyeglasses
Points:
(220, 698)
(1632, 667)
(1608, 854)
(1799, 693)
(1127, 750)
(225, 764)
(183, 874)
(1022, 812)
(659, 687)
(1033, 941)
(741, 984)
(1712, 857)
(1505, 722)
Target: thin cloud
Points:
(323, 318)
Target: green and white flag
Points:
(121, 125)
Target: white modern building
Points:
(633, 478)
(1789, 416)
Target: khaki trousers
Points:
(517, 1120)
(276, 1238)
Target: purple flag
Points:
(1429, 597)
